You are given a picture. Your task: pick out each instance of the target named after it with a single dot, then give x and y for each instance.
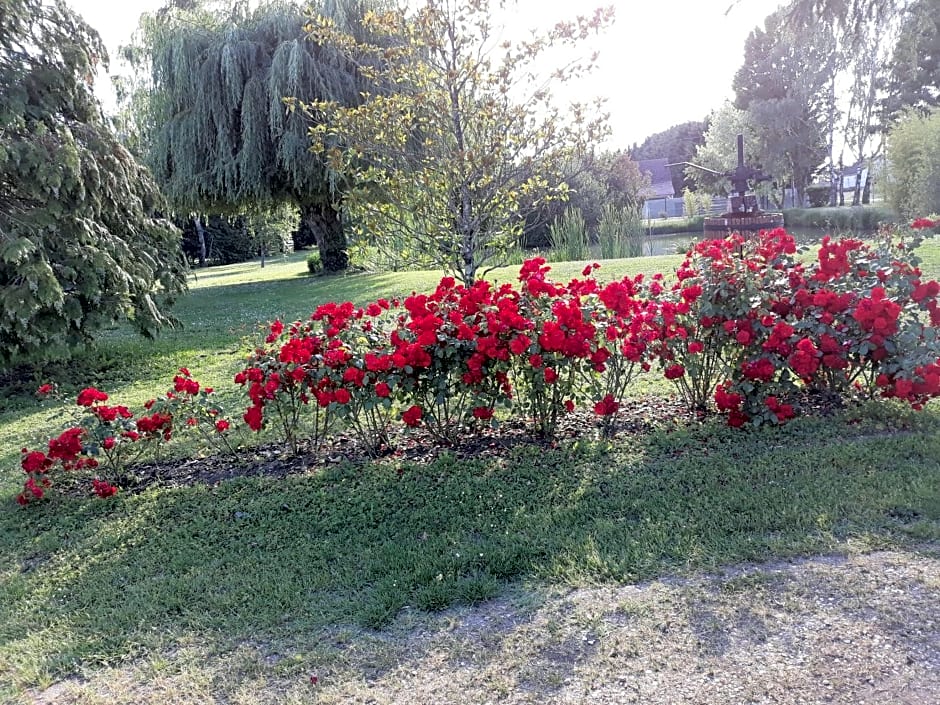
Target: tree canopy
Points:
(455, 137)
(786, 86)
(914, 69)
(81, 244)
(220, 138)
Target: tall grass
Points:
(569, 237)
(620, 233)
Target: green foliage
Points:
(818, 195)
(80, 243)
(914, 77)
(227, 240)
(696, 202)
(785, 87)
(677, 144)
(270, 229)
(218, 136)
(593, 183)
(569, 237)
(453, 157)
(845, 219)
(670, 226)
(314, 265)
(913, 153)
(719, 150)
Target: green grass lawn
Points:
(86, 584)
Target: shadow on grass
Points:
(88, 582)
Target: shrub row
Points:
(746, 329)
(840, 219)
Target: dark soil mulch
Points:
(408, 445)
(636, 416)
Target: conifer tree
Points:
(81, 244)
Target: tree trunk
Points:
(857, 193)
(201, 234)
(324, 223)
(841, 182)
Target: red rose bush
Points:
(746, 328)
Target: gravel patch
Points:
(855, 630)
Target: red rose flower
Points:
(103, 489)
(412, 416)
(606, 406)
(519, 344)
(89, 396)
(674, 371)
(253, 417)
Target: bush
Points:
(314, 265)
(913, 152)
(818, 195)
(765, 327)
(105, 439)
(676, 225)
(840, 219)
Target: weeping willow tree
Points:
(215, 130)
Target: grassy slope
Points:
(84, 584)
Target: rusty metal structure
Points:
(745, 216)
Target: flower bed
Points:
(746, 330)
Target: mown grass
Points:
(84, 584)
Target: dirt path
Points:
(859, 630)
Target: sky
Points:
(660, 63)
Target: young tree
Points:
(218, 135)
(452, 143)
(81, 245)
(867, 63)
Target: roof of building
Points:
(660, 177)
